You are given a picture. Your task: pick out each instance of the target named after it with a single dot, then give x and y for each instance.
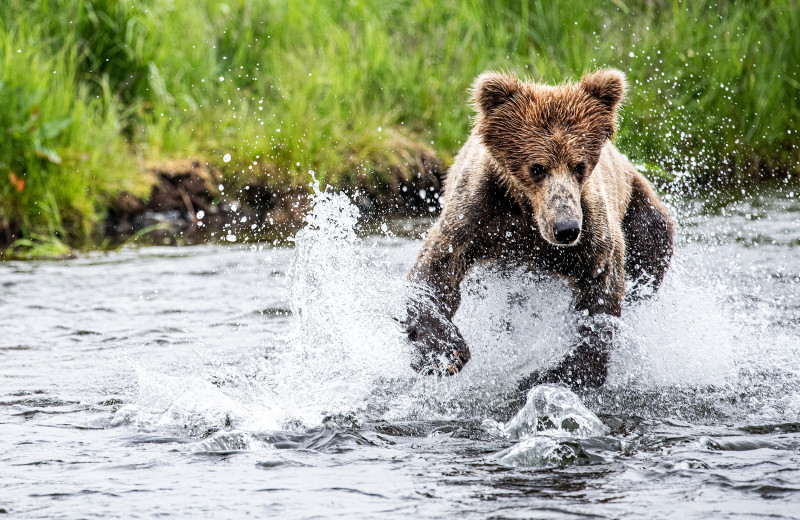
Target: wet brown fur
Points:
(497, 208)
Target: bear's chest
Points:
(515, 241)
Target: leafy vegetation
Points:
(349, 89)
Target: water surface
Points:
(217, 381)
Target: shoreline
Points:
(188, 203)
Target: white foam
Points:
(680, 337)
(343, 338)
(345, 354)
(554, 411)
(551, 415)
(190, 404)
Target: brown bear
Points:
(539, 183)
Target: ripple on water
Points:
(278, 380)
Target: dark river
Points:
(251, 380)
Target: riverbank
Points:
(367, 95)
(188, 203)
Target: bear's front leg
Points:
(436, 279)
(586, 365)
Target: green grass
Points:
(90, 88)
(58, 138)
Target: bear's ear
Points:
(492, 89)
(606, 85)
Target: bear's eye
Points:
(580, 169)
(538, 172)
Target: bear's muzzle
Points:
(566, 232)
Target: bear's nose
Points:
(566, 232)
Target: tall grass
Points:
(62, 155)
(347, 88)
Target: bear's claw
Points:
(457, 362)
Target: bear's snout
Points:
(566, 232)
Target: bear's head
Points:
(547, 140)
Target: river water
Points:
(250, 380)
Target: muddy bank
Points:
(190, 203)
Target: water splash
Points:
(228, 441)
(554, 411)
(551, 418)
(680, 337)
(192, 404)
(343, 338)
(343, 353)
(542, 451)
